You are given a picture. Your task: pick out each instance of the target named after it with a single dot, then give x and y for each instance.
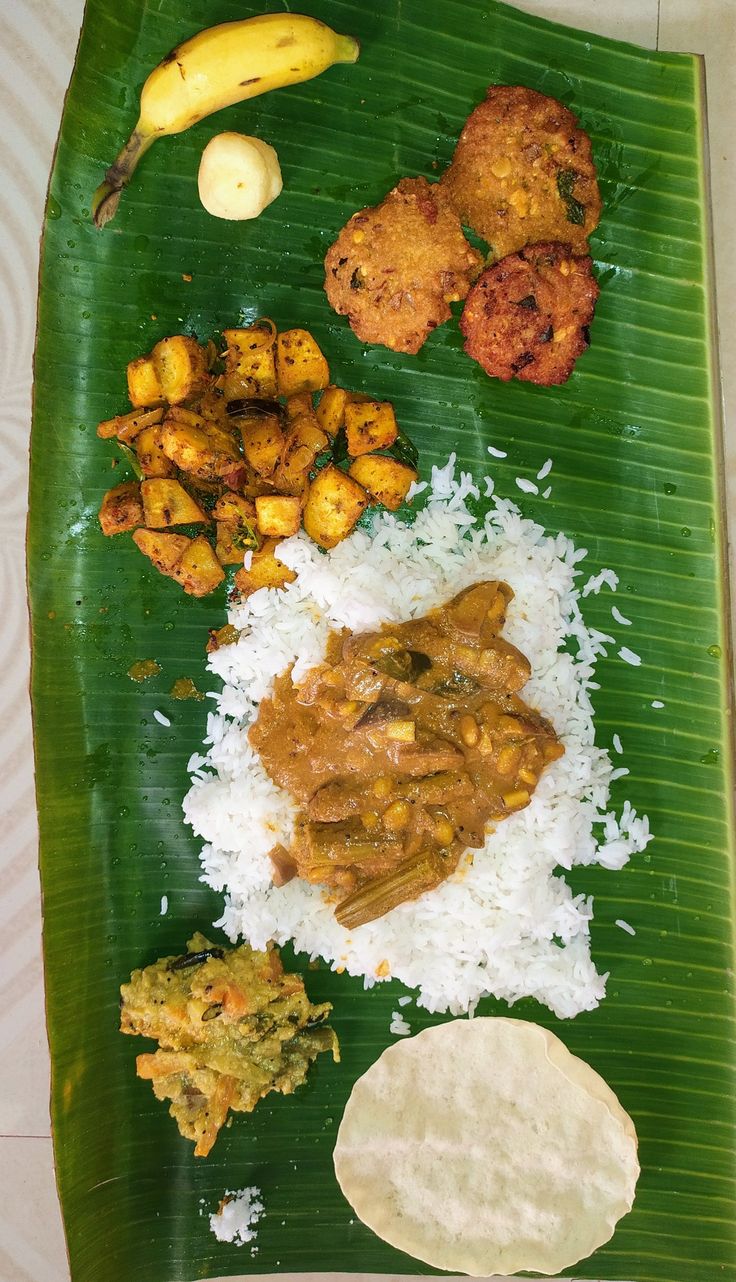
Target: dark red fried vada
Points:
(527, 317)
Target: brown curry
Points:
(400, 749)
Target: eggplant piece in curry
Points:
(400, 749)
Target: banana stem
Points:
(348, 49)
(107, 197)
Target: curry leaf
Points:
(574, 210)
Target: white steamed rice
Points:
(507, 923)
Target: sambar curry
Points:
(400, 749)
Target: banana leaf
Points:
(637, 479)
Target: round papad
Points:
(483, 1146)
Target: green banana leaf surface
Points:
(635, 441)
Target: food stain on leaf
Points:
(143, 670)
(184, 688)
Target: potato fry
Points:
(298, 404)
(369, 425)
(233, 541)
(386, 480)
(196, 446)
(151, 457)
(127, 426)
(331, 409)
(278, 515)
(263, 441)
(144, 385)
(166, 502)
(304, 442)
(300, 365)
(250, 362)
(334, 503)
(121, 509)
(266, 571)
(199, 570)
(236, 528)
(165, 550)
(180, 363)
(235, 508)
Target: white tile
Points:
(31, 1237)
(633, 20)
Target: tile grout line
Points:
(24, 1137)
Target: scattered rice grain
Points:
(629, 656)
(619, 617)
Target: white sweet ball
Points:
(238, 176)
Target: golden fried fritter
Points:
(523, 173)
(396, 267)
(527, 317)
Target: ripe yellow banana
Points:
(216, 68)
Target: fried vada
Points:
(527, 317)
(523, 173)
(396, 267)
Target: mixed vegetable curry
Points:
(231, 1027)
(400, 749)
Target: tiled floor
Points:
(35, 61)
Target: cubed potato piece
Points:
(266, 571)
(165, 550)
(331, 409)
(127, 426)
(235, 508)
(300, 403)
(121, 509)
(250, 362)
(166, 502)
(304, 442)
(197, 446)
(199, 570)
(300, 365)
(263, 441)
(369, 425)
(334, 503)
(151, 457)
(278, 515)
(144, 385)
(181, 365)
(386, 479)
(233, 541)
